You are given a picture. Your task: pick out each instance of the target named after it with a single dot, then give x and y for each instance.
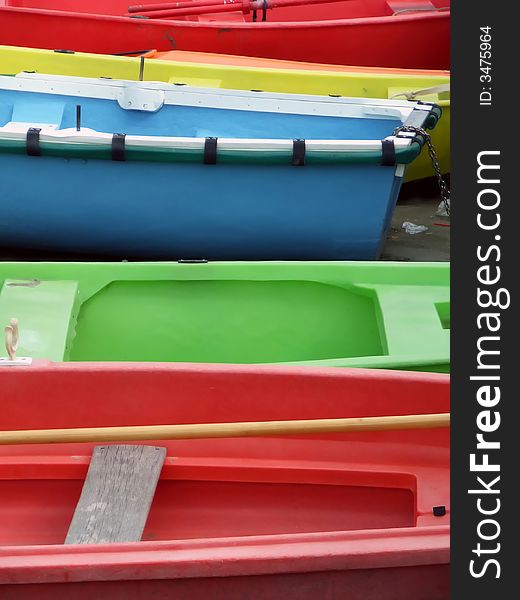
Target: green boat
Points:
(343, 314)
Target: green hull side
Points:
(378, 315)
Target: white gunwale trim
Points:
(17, 362)
(175, 95)
(18, 132)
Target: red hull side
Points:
(419, 583)
(346, 516)
(386, 544)
(412, 41)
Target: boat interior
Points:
(188, 317)
(227, 487)
(188, 121)
(142, 110)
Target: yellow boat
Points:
(244, 73)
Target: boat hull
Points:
(196, 211)
(245, 73)
(334, 42)
(279, 515)
(291, 177)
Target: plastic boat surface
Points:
(247, 73)
(235, 518)
(393, 33)
(385, 315)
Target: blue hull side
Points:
(214, 212)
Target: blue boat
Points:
(153, 170)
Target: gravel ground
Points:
(418, 203)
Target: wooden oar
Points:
(223, 430)
(146, 8)
(199, 7)
(196, 10)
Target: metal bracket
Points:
(136, 98)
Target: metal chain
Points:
(445, 192)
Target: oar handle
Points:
(224, 430)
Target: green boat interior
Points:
(224, 313)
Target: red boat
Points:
(350, 516)
(381, 33)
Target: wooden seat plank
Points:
(117, 494)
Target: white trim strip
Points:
(17, 362)
(171, 94)
(18, 131)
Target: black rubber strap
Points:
(388, 158)
(210, 151)
(298, 154)
(118, 147)
(130, 53)
(32, 143)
